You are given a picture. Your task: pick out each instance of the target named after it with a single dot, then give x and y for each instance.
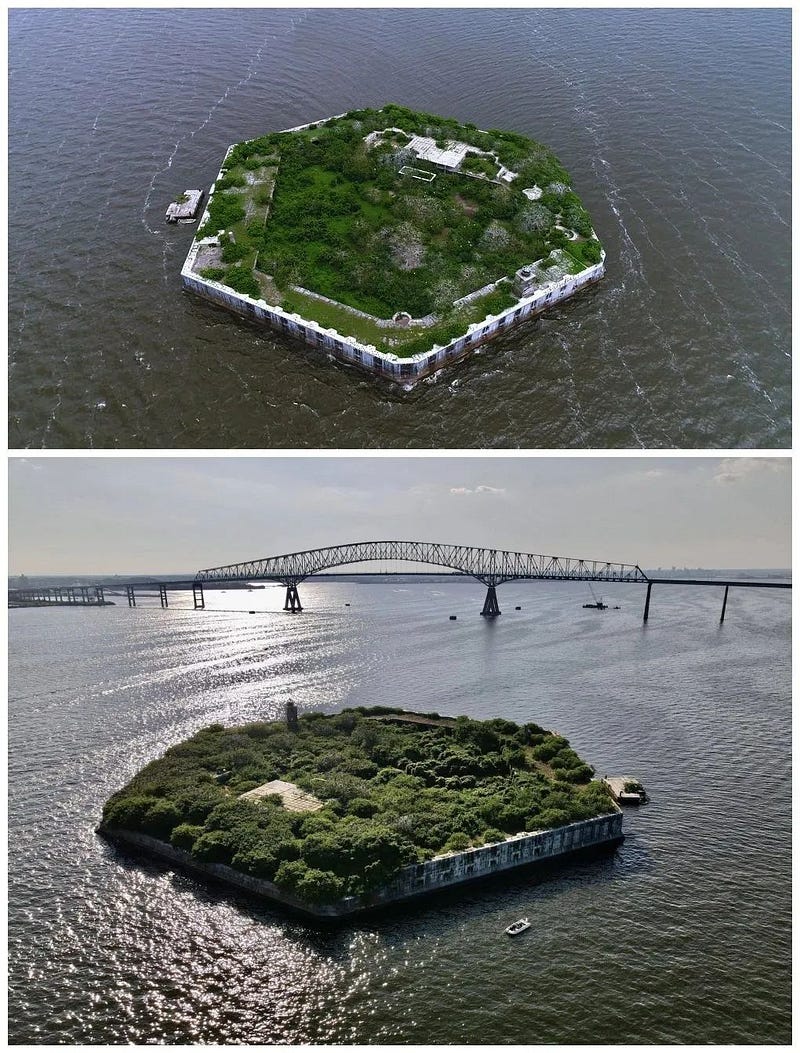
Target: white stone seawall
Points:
(442, 872)
(349, 350)
(365, 356)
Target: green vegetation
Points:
(242, 280)
(321, 209)
(479, 165)
(393, 793)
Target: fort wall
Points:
(334, 345)
(442, 872)
(367, 357)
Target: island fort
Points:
(393, 240)
(333, 815)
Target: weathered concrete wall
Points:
(519, 850)
(366, 356)
(439, 873)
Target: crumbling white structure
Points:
(537, 292)
(185, 210)
(450, 157)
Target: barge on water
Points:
(626, 790)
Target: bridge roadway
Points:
(492, 567)
(58, 596)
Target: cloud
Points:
(478, 490)
(736, 469)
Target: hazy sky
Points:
(162, 515)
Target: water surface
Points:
(682, 936)
(675, 125)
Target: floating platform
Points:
(186, 208)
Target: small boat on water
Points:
(518, 927)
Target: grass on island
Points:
(392, 793)
(322, 210)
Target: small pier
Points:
(625, 789)
(185, 209)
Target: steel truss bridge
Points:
(490, 566)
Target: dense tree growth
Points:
(344, 220)
(393, 793)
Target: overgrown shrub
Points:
(233, 251)
(184, 836)
(223, 211)
(128, 812)
(160, 819)
(214, 846)
(242, 280)
(457, 843)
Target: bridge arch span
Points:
(490, 566)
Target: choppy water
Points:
(682, 936)
(675, 125)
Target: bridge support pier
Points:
(724, 605)
(162, 595)
(292, 604)
(490, 605)
(647, 602)
(131, 594)
(198, 596)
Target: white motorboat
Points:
(518, 927)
